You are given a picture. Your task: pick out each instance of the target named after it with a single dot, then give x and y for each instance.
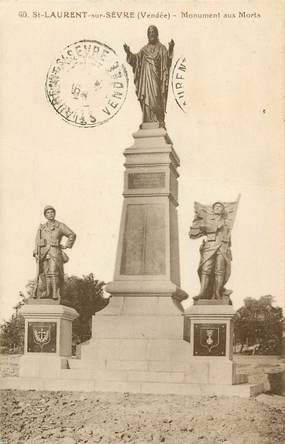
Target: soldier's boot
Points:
(205, 280)
(43, 292)
(55, 288)
(219, 285)
(47, 292)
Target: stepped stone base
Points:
(137, 347)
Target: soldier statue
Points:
(151, 67)
(215, 222)
(50, 256)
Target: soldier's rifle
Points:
(38, 259)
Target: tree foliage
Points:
(85, 295)
(258, 322)
(12, 331)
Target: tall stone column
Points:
(147, 262)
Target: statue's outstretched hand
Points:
(127, 48)
(171, 46)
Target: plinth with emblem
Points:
(48, 338)
(209, 330)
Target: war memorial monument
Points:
(150, 338)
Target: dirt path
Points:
(69, 418)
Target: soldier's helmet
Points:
(48, 207)
(218, 203)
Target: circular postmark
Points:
(178, 82)
(87, 85)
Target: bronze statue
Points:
(151, 67)
(50, 257)
(215, 222)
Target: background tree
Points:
(85, 295)
(12, 331)
(258, 322)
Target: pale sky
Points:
(230, 141)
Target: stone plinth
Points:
(147, 261)
(48, 338)
(209, 330)
(133, 332)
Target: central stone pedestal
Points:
(137, 339)
(136, 346)
(147, 262)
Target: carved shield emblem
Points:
(42, 335)
(209, 338)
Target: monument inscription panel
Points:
(143, 250)
(42, 337)
(209, 339)
(146, 180)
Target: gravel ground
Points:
(69, 418)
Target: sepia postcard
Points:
(224, 116)
(141, 126)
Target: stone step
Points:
(128, 372)
(116, 364)
(123, 375)
(136, 349)
(91, 385)
(148, 365)
(217, 370)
